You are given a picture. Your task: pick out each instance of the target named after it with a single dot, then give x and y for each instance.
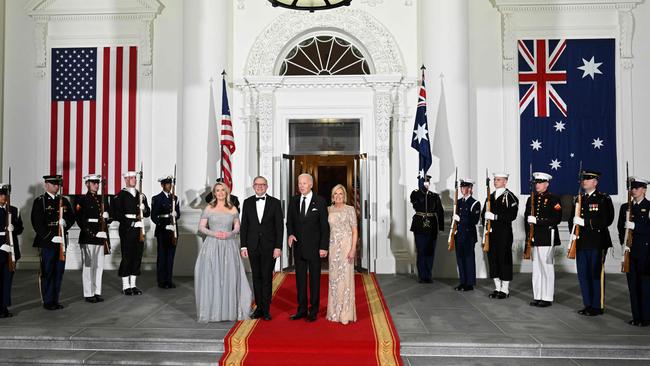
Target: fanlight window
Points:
(324, 55)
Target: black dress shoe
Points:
(494, 294)
(91, 299)
(128, 292)
(256, 314)
(428, 281)
(297, 316)
(633, 322)
(6, 314)
(534, 302)
(584, 311)
(420, 281)
(58, 306)
(99, 298)
(267, 317)
(171, 285)
(162, 285)
(502, 295)
(311, 318)
(595, 312)
(468, 288)
(459, 288)
(49, 306)
(136, 291)
(641, 324)
(544, 304)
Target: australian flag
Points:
(567, 109)
(420, 140)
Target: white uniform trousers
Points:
(543, 273)
(92, 268)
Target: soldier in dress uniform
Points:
(126, 210)
(638, 278)
(503, 211)
(14, 229)
(596, 214)
(548, 214)
(468, 216)
(91, 238)
(428, 219)
(161, 215)
(233, 199)
(46, 223)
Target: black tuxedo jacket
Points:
(311, 230)
(268, 234)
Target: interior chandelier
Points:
(310, 5)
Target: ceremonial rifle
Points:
(488, 223)
(140, 212)
(531, 227)
(175, 234)
(454, 224)
(102, 222)
(62, 248)
(627, 241)
(575, 231)
(11, 264)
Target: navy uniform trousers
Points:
(6, 278)
(591, 276)
(638, 282)
(51, 275)
(425, 245)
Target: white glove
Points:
(142, 206)
(57, 239)
(579, 221)
(490, 216)
(629, 225)
(62, 222)
(138, 224)
(5, 248)
(175, 214)
(532, 220)
(170, 227)
(572, 237)
(456, 218)
(626, 249)
(10, 227)
(101, 235)
(105, 215)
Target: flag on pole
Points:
(227, 136)
(420, 141)
(93, 114)
(442, 144)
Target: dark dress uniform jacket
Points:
(640, 251)
(505, 208)
(598, 212)
(548, 212)
(45, 219)
(311, 230)
(126, 204)
(429, 204)
(88, 209)
(469, 211)
(17, 222)
(161, 204)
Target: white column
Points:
(205, 47)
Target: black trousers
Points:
(6, 279)
(500, 254)
(262, 272)
(132, 250)
(165, 259)
(313, 267)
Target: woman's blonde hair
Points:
(213, 203)
(345, 193)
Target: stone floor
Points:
(436, 325)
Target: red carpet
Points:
(371, 340)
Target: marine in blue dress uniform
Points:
(547, 215)
(15, 228)
(45, 220)
(468, 215)
(163, 216)
(596, 215)
(427, 221)
(504, 206)
(638, 278)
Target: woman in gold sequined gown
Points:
(342, 218)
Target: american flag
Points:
(568, 110)
(420, 141)
(93, 114)
(227, 137)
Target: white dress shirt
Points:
(308, 198)
(259, 204)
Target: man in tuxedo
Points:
(261, 235)
(309, 232)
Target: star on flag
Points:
(536, 145)
(555, 164)
(590, 68)
(598, 143)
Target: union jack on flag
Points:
(540, 73)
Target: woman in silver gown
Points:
(221, 287)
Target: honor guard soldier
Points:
(164, 216)
(596, 214)
(428, 219)
(233, 199)
(547, 215)
(504, 206)
(9, 251)
(638, 277)
(130, 213)
(92, 238)
(52, 217)
(468, 216)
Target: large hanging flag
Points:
(227, 136)
(420, 141)
(567, 110)
(93, 114)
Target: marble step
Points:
(25, 357)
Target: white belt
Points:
(93, 220)
(130, 216)
(3, 233)
(164, 216)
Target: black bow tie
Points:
(260, 198)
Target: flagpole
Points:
(223, 77)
